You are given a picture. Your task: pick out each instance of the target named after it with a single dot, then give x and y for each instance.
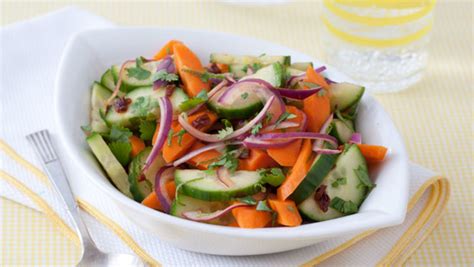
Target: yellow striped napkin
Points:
(27, 103)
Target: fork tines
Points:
(43, 146)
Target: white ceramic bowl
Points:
(89, 53)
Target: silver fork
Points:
(91, 256)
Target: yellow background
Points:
(435, 117)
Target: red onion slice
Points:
(319, 143)
(203, 149)
(166, 118)
(298, 94)
(356, 138)
(293, 80)
(298, 135)
(253, 142)
(327, 151)
(223, 175)
(283, 125)
(213, 138)
(199, 216)
(164, 175)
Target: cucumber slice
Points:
(130, 83)
(111, 165)
(185, 203)
(323, 163)
(238, 70)
(107, 80)
(346, 165)
(209, 188)
(301, 65)
(274, 74)
(345, 95)
(244, 105)
(246, 60)
(144, 105)
(139, 189)
(342, 130)
(99, 95)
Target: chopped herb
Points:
(121, 151)
(223, 133)
(147, 129)
(87, 129)
(180, 135)
(274, 218)
(285, 116)
(260, 187)
(262, 55)
(290, 208)
(204, 76)
(195, 101)
(339, 181)
(248, 200)
(273, 176)
(256, 128)
(210, 172)
(229, 160)
(256, 66)
(163, 75)
(244, 95)
(143, 105)
(170, 137)
(227, 123)
(321, 93)
(364, 179)
(168, 51)
(343, 206)
(262, 206)
(119, 134)
(138, 72)
(268, 117)
(310, 84)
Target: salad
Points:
(244, 141)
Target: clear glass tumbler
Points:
(381, 44)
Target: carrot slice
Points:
(287, 213)
(179, 146)
(152, 200)
(185, 58)
(137, 145)
(297, 173)
(373, 153)
(249, 217)
(167, 49)
(223, 67)
(203, 160)
(258, 159)
(318, 106)
(287, 155)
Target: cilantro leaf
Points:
(147, 129)
(138, 72)
(229, 160)
(170, 137)
(119, 134)
(256, 128)
(248, 200)
(223, 133)
(273, 176)
(343, 206)
(163, 75)
(121, 151)
(285, 116)
(180, 135)
(195, 101)
(263, 206)
(364, 179)
(204, 76)
(268, 117)
(244, 95)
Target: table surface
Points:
(435, 117)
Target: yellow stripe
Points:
(364, 41)
(391, 4)
(118, 231)
(373, 21)
(43, 206)
(416, 197)
(12, 154)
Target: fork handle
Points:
(58, 178)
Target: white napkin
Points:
(30, 54)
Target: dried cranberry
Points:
(322, 198)
(169, 89)
(121, 104)
(202, 121)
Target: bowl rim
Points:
(368, 219)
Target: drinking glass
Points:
(381, 44)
